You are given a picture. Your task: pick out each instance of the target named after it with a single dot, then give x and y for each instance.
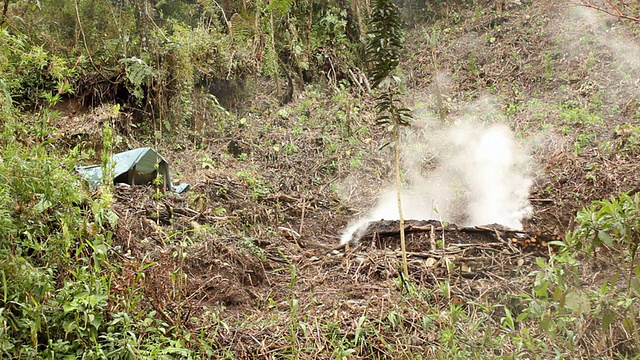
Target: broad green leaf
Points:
(522, 317)
(68, 307)
(546, 324)
(42, 206)
(607, 318)
(557, 293)
(577, 302)
(604, 288)
(628, 324)
(541, 290)
(635, 286)
(69, 326)
(605, 237)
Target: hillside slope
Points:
(523, 116)
(272, 198)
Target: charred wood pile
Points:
(475, 261)
(429, 235)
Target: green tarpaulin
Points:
(134, 167)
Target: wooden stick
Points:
(542, 200)
(302, 216)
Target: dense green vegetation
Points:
(154, 57)
(187, 70)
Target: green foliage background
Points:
(153, 55)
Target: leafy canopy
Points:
(386, 42)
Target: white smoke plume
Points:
(472, 175)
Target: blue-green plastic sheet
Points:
(134, 167)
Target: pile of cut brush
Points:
(427, 233)
(472, 259)
(168, 250)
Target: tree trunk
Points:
(5, 10)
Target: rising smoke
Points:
(474, 174)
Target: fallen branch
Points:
(615, 11)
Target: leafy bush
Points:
(31, 74)
(606, 222)
(156, 58)
(567, 307)
(55, 299)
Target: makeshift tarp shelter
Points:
(134, 167)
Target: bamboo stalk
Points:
(403, 245)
